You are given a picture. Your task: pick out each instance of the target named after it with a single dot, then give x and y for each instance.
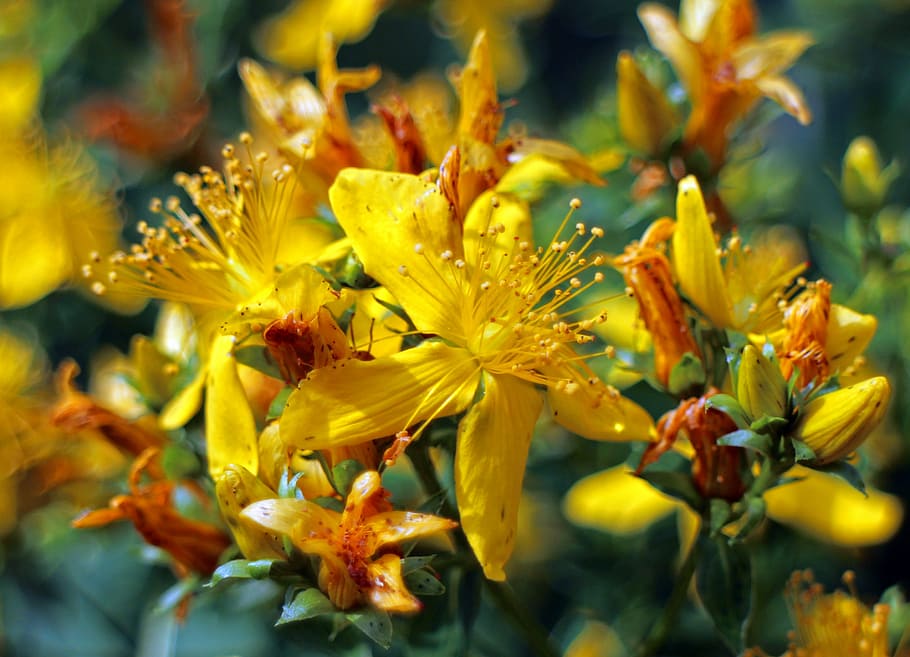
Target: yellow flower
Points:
(725, 66)
(739, 288)
(498, 305)
(347, 542)
(293, 37)
(864, 183)
(834, 624)
(497, 17)
(646, 117)
(817, 504)
(595, 640)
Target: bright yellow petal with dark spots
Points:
(279, 515)
(354, 401)
(616, 501)
(594, 413)
(695, 258)
(399, 226)
(492, 448)
(387, 590)
(230, 430)
(394, 527)
(849, 333)
(831, 510)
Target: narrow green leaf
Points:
(375, 624)
(801, 451)
(769, 424)
(236, 569)
(731, 408)
(309, 603)
(345, 473)
(846, 472)
(720, 515)
(748, 439)
(687, 375)
(724, 582)
(258, 358)
(276, 408)
(172, 596)
(755, 513)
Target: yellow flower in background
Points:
(818, 504)
(595, 640)
(20, 88)
(347, 542)
(646, 117)
(293, 37)
(864, 182)
(498, 18)
(834, 624)
(725, 66)
(498, 303)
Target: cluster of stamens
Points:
(217, 256)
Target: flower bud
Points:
(646, 117)
(236, 488)
(864, 183)
(835, 424)
(760, 386)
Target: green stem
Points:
(537, 637)
(661, 628)
(535, 634)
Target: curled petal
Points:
(786, 94)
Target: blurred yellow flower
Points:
(484, 289)
(725, 66)
(293, 37)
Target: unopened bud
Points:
(236, 488)
(760, 386)
(864, 183)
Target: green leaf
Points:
(423, 582)
(756, 509)
(345, 473)
(276, 408)
(172, 596)
(724, 583)
(242, 569)
(731, 408)
(846, 472)
(410, 564)
(375, 624)
(769, 424)
(308, 603)
(801, 451)
(720, 515)
(687, 375)
(258, 358)
(748, 439)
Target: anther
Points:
(575, 203)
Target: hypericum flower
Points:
(838, 422)
(646, 117)
(500, 307)
(356, 547)
(646, 271)
(293, 37)
(834, 624)
(497, 17)
(760, 386)
(864, 183)
(815, 503)
(737, 288)
(195, 546)
(725, 66)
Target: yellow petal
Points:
(665, 35)
(595, 640)
(399, 225)
(492, 448)
(394, 527)
(184, 405)
(292, 37)
(34, 255)
(645, 115)
(235, 490)
(599, 413)
(786, 94)
(279, 515)
(230, 430)
(616, 501)
(695, 258)
(354, 401)
(831, 510)
(849, 333)
(769, 55)
(386, 589)
(20, 90)
(480, 116)
(571, 166)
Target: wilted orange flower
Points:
(195, 546)
(647, 272)
(715, 468)
(725, 66)
(357, 547)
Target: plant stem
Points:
(662, 627)
(503, 595)
(537, 637)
